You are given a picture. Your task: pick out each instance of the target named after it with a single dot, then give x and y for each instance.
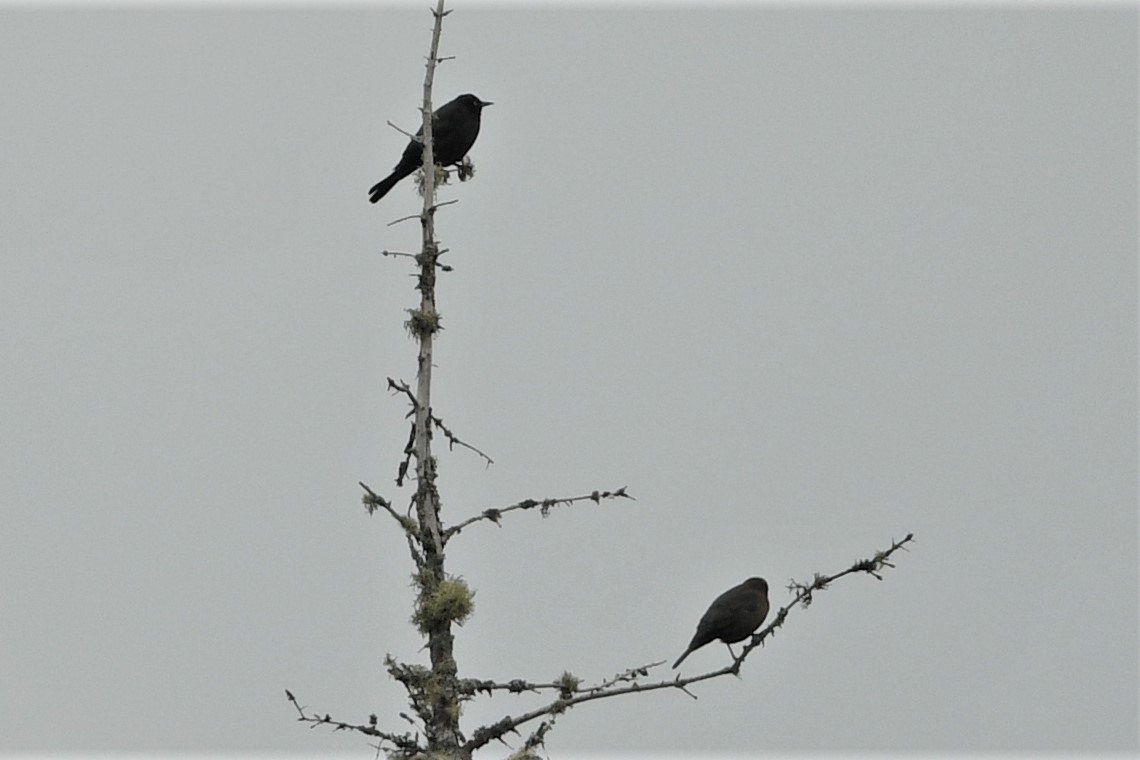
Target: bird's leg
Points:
(465, 169)
(732, 653)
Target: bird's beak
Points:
(485, 103)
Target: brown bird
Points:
(732, 616)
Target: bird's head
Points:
(758, 585)
(473, 102)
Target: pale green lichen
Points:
(450, 601)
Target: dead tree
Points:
(435, 692)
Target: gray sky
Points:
(803, 279)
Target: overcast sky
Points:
(804, 279)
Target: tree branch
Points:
(577, 695)
(372, 501)
(805, 595)
(405, 742)
(452, 439)
(545, 505)
(411, 529)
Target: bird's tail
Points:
(381, 188)
(682, 657)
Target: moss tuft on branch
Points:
(450, 601)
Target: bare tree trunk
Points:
(440, 695)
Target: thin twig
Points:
(411, 530)
(545, 505)
(403, 219)
(452, 439)
(409, 450)
(630, 675)
(405, 133)
(805, 594)
(402, 741)
(473, 686)
(372, 500)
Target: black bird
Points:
(454, 127)
(732, 616)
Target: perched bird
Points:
(454, 127)
(732, 616)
